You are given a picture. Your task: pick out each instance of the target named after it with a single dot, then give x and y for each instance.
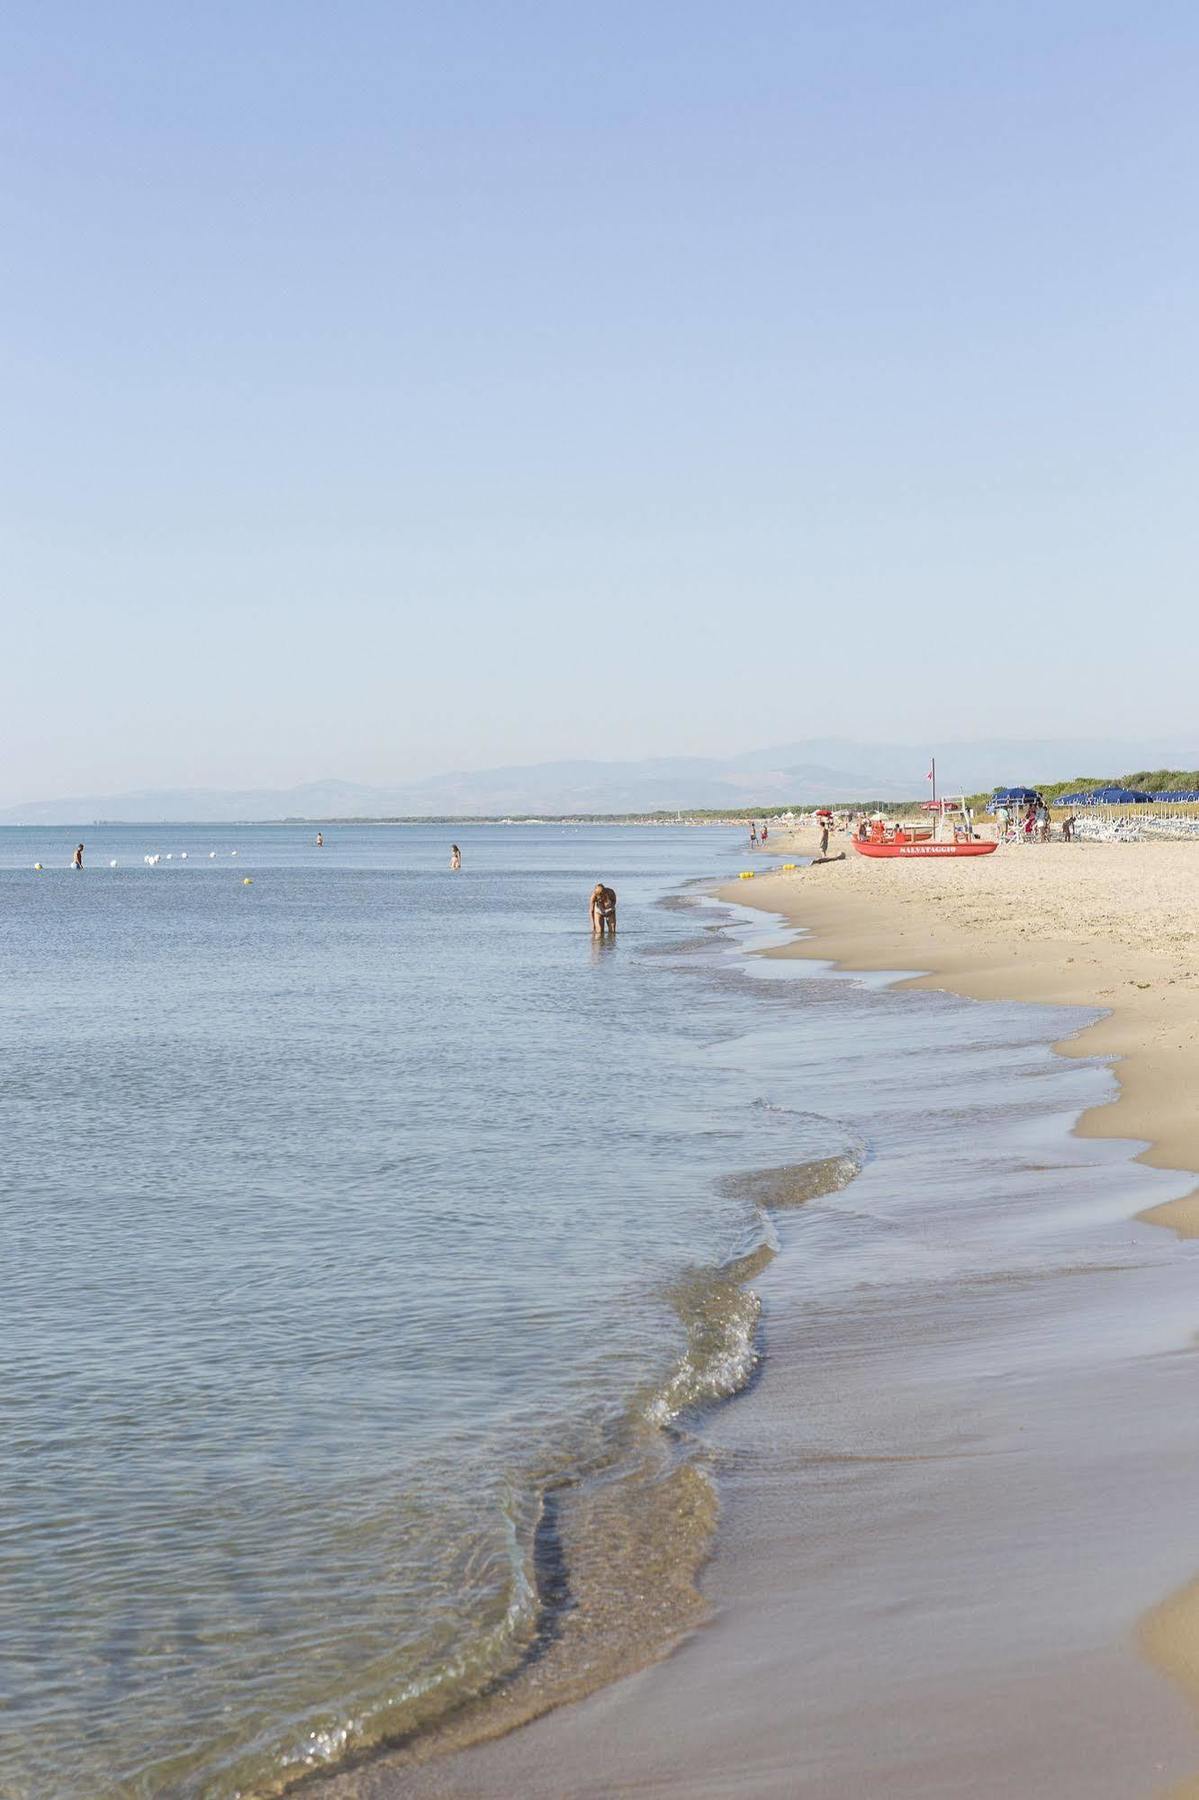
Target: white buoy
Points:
(233, 852)
(38, 867)
(113, 863)
(183, 856)
(168, 856)
(212, 853)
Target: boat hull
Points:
(970, 848)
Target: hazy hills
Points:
(812, 770)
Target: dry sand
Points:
(942, 1526)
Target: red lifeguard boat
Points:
(899, 844)
(954, 834)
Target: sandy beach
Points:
(1114, 925)
(956, 1550)
(1108, 925)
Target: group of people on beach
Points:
(1033, 825)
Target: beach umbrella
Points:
(1109, 796)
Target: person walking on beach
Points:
(824, 837)
(455, 857)
(77, 859)
(603, 910)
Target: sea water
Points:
(342, 1212)
(371, 1234)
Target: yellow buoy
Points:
(788, 865)
(746, 875)
(246, 881)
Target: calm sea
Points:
(371, 1237)
(345, 1216)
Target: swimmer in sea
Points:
(455, 857)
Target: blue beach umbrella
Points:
(1109, 796)
(1010, 796)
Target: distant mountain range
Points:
(791, 774)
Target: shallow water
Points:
(344, 1211)
(965, 1469)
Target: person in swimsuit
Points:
(455, 857)
(77, 859)
(320, 840)
(603, 910)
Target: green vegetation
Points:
(1155, 780)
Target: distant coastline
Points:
(667, 816)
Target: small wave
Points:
(795, 1184)
(721, 1316)
(719, 1311)
(608, 1579)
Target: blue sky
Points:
(391, 389)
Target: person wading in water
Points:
(603, 910)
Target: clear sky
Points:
(391, 388)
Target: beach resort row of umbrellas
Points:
(1100, 796)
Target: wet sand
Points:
(957, 1542)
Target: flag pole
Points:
(934, 781)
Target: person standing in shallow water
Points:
(455, 857)
(77, 859)
(603, 910)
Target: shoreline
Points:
(1151, 1032)
(857, 932)
(1148, 1028)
